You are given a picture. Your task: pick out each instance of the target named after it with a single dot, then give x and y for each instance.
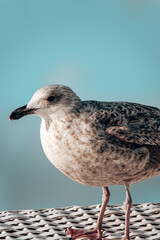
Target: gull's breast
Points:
(67, 145)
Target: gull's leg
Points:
(96, 233)
(128, 205)
(105, 199)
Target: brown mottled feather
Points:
(131, 122)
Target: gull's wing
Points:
(129, 122)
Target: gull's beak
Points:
(20, 112)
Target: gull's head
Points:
(49, 102)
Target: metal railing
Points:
(52, 223)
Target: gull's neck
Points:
(57, 116)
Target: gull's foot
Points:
(95, 234)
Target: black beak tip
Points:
(13, 116)
(19, 113)
(10, 117)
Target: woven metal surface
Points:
(52, 223)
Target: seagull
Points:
(97, 143)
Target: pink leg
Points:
(96, 233)
(128, 205)
(105, 199)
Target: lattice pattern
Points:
(52, 223)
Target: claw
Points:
(94, 234)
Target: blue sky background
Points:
(104, 50)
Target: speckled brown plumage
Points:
(117, 146)
(97, 143)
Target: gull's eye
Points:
(50, 99)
